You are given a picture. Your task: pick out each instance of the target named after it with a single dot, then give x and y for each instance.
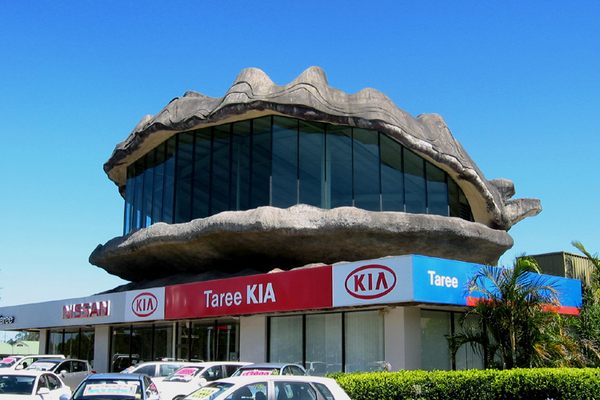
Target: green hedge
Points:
(526, 384)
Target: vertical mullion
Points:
(193, 177)
(379, 169)
(426, 186)
(152, 350)
(269, 339)
(175, 166)
(230, 183)
(189, 325)
(271, 164)
(343, 342)
(297, 161)
(210, 170)
(304, 340)
(452, 354)
(352, 163)
(164, 180)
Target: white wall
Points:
(403, 337)
(43, 340)
(101, 348)
(253, 338)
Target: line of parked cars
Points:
(56, 378)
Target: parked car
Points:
(23, 362)
(72, 372)
(156, 369)
(26, 384)
(116, 386)
(9, 361)
(270, 369)
(189, 378)
(271, 387)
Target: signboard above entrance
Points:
(296, 290)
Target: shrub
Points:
(526, 384)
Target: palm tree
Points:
(517, 326)
(587, 326)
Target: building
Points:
(289, 223)
(566, 264)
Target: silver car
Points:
(72, 372)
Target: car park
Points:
(23, 362)
(72, 372)
(28, 384)
(271, 387)
(116, 386)
(157, 370)
(189, 378)
(270, 369)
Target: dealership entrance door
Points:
(209, 340)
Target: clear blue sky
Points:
(518, 83)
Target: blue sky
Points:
(517, 82)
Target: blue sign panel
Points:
(442, 281)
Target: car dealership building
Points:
(292, 223)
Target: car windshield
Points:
(7, 362)
(210, 391)
(108, 389)
(184, 374)
(43, 365)
(16, 384)
(256, 371)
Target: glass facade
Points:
(72, 343)
(281, 162)
(436, 327)
(330, 342)
(206, 340)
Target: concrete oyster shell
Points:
(228, 238)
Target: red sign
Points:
(87, 310)
(281, 291)
(144, 304)
(370, 281)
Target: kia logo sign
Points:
(144, 304)
(370, 281)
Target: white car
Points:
(189, 378)
(25, 384)
(22, 362)
(156, 370)
(271, 387)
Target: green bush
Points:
(515, 384)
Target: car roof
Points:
(43, 360)
(161, 362)
(262, 378)
(213, 363)
(270, 365)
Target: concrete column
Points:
(101, 348)
(253, 338)
(403, 337)
(43, 340)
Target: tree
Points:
(587, 327)
(516, 324)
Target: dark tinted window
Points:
(282, 162)
(285, 162)
(149, 370)
(414, 183)
(53, 383)
(366, 169)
